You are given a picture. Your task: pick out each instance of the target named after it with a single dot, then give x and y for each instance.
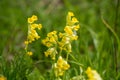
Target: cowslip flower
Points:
(70, 33)
(65, 44)
(71, 20)
(51, 39)
(32, 19)
(32, 33)
(76, 27)
(61, 66)
(92, 74)
(30, 53)
(52, 52)
(68, 30)
(2, 78)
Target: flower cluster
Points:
(51, 41)
(57, 42)
(92, 74)
(32, 33)
(70, 33)
(52, 52)
(62, 40)
(61, 66)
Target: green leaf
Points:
(35, 75)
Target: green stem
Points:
(76, 63)
(117, 39)
(60, 52)
(115, 43)
(73, 57)
(67, 56)
(109, 27)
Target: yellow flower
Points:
(47, 42)
(65, 43)
(58, 71)
(70, 14)
(49, 52)
(92, 74)
(60, 62)
(52, 33)
(61, 35)
(76, 27)
(69, 18)
(74, 20)
(30, 53)
(30, 20)
(52, 52)
(34, 17)
(26, 42)
(2, 78)
(30, 38)
(68, 30)
(61, 66)
(33, 26)
(66, 65)
(39, 26)
(74, 37)
(51, 39)
(32, 35)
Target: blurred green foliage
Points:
(95, 46)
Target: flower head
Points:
(30, 53)
(92, 74)
(52, 52)
(32, 33)
(70, 32)
(32, 19)
(51, 39)
(61, 66)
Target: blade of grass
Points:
(117, 39)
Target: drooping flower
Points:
(71, 20)
(65, 44)
(70, 32)
(92, 74)
(52, 52)
(32, 19)
(51, 39)
(32, 33)
(61, 66)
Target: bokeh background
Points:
(96, 46)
